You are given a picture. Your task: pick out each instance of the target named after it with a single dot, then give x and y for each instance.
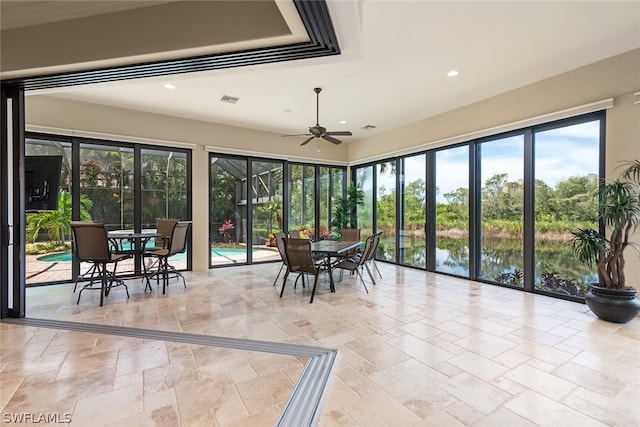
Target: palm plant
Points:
(344, 213)
(619, 213)
(56, 223)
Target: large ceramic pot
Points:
(618, 306)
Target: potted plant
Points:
(344, 213)
(619, 213)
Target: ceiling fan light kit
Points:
(321, 132)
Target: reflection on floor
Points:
(420, 349)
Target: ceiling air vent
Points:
(368, 127)
(229, 99)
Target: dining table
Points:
(133, 243)
(332, 249)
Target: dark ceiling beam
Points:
(313, 13)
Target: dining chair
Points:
(372, 261)
(300, 260)
(294, 234)
(164, 227)
(358, 262)
(350, 235)
(280, 245)
(176, 244)
(91, 244)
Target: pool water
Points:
(215, 252)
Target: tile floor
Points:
(420, 349)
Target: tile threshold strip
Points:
(304, 403)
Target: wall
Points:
(617, 77)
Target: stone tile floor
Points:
(420, 349)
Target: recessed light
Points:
(453, 73)
(169, 86)
(343, 122)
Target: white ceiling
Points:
(393, 66)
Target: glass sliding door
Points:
(302, 199)
(452, 210)
(564, 202)
(386, 208)
(104, 178)
(48, 236)
(332, 181)
(413, 211)
(502, 210)
(228, 210)
(164, 191)
(267, 187)
(107, 189)
(364, 180)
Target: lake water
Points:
(499, 259)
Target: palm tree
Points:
(619, 211)
(56, 223)
(344, 213)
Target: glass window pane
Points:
(364, 180)
(302, 199)
(413, 243)
(228, 210)
(48, 236)
(106, 189)
(502, 166)
(386, 209)
(163, 186)
(564, 189)
(267, 187)
(452, 210)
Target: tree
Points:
(56, 223)
(415, 204)
(344, 213)
(576, 195)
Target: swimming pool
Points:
(226, 253)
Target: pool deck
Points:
(40, 272)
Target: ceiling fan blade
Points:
(331, 139)
(298, 134)
(307, 141)
(340, 132)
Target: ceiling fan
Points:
(318, 131)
